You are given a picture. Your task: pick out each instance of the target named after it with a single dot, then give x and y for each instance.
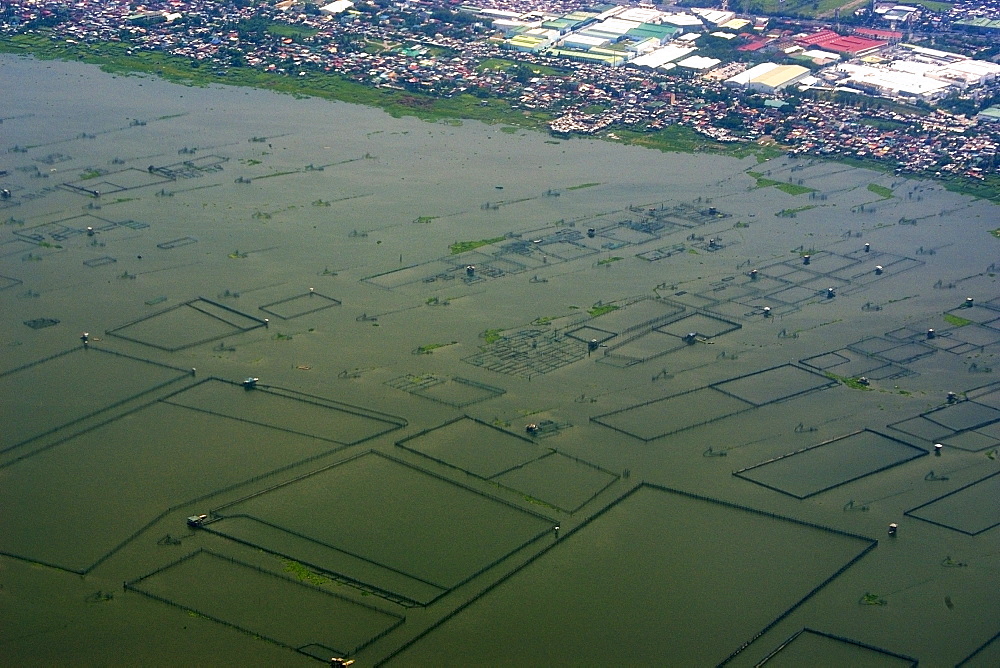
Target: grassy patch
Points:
(463, 246)
(304, 574)
(431, 347)
(582, 186)
(285, 30)
(492, 335)
(791, 213)
(987, 188)
(794, 189)
(609, 260)
(933, 5)
(601, 309)
(423, 220)
(853, 383)
(505, 64)
(955, 320)
(881, 191)
(790, 188)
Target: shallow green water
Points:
(385, 446)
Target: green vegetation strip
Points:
(790, 188)
(601, 309)
(881, 191)
(463, 246)
(121, 58)
(956, 320)
(791, 213)
(492, 335)
(303, 573)
(852, 383)
(431, 347)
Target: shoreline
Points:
(115, 58)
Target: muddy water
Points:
(216, 202)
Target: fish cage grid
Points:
(528, 352)
(451, 391)
(849, 363)
(893, 352)
(116, 182)
(191, 169)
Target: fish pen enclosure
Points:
(661, 417)
(971, 424)
(299, 305)
(971, 510)
(381, 525)
(453, 391)
(810, 647)
(190, 445)
(186, 325)
(677, 541)
(286, 611)
(516, 462)
(117, 182)
(99, 379)
(823, 466)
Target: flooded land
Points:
(284, 380)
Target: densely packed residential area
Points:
(908, 88)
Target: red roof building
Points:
(851, 45)
(872, 33)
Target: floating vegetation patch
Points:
(791, 213)
(881, 191)
(492, 335)
(582, 186)
(872, 599)
(853, 383)
(41, 323)
(463, 246)
(790, 188)
(958, 321)
(601, 309)
(431, 347)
